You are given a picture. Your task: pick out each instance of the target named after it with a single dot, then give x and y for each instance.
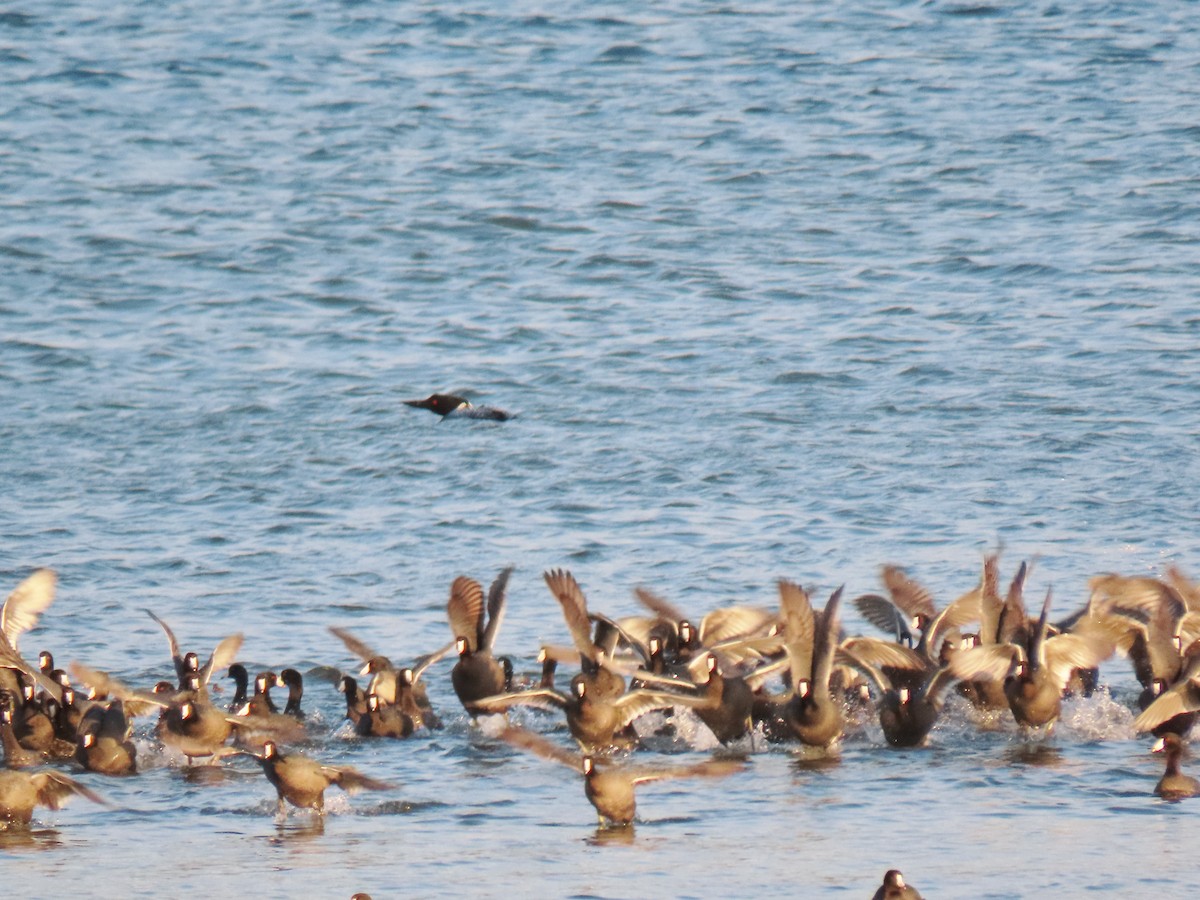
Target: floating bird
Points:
(1174, 785)
(302, 781)
(894, 888)
(449, 406)
(610, 786)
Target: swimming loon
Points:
(449, 406)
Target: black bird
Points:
(1174, 785)
(189, 663)
(477, 674)
(450, 406)
(894, 888)
(294, 682)
(383, 721)
(103, 743)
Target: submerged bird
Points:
(894, 888)
(302, 781)
(20, 792)
(449, 406)
(609, 786)
(1174, 785)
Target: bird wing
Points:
(25, 604)
(497, 602)
(797, 614)
(542, 746)
(878, 652)
(172, 644)
(570, 597)
(353, 644)
(633, 704)
(729, 622)
(53, 789)
(1064, 653)
(424, 662)
(544, 698)
(884, 615)
(907, 594)
(711, 768)
(136, 701)
(825, 642)
(223, 654)
(988, 662)
(1013, 618)
(659, 605)
(351, 780)
(464, 609)
(1184, 697)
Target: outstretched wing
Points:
(25, 604)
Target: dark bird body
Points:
(451, 406)
(302, 781)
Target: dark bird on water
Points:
(302, 781)
(449, 406)
(894, 888)
(610, 786)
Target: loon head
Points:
(442, 404)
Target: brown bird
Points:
(1174, 785)
(894, 888)
(609, 786)
(20, 792)
(302, 781)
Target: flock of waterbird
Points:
(785, 674)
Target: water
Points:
(776, 290)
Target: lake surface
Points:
(776, 290)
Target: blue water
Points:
(776, 290)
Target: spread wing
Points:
(989, 662)
(353, 644)
(543, 698)
(53, 789)
(799, 628)
(172, 644)
(825, 642)
(907, 594)
(884, 615)
(25, 604)
(659, 605)
(543, 747)
(465, 611)
(497, 601)
(224, 653)
(570, 597)
(730, 622)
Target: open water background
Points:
(777, 289)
